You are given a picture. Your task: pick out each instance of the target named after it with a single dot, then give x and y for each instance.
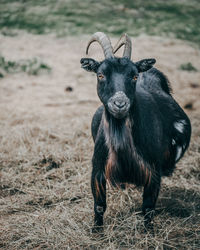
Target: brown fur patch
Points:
(97, 188)
(167, 154)
(106, 125)
(149, 178)
(102, 187)
(128, 124)
(109, 166)
(146, 175)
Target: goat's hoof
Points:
(123, 186)
(97, 229)
(149, 229)
(148, 223)
(149, 214)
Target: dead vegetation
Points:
(46, 149)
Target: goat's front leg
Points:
(98, 184)
(150, 196)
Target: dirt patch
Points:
(46, 151)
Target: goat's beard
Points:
(119, 142)
(118, 133)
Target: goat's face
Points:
(116, 82)
(116, 79)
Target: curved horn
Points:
(104, 41)
(124, 40)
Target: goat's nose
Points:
(119, 103)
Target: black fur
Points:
(144, 144)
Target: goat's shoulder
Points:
(154, 80)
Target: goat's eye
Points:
(135, 78)
(100, 76)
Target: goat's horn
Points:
(105, 43)
(124, 40)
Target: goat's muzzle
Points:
(118, 105)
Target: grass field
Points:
(172, 18)
(46, 106)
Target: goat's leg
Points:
(98, 184)
(150, 196)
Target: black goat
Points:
(140, 132)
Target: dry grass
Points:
(46, 149)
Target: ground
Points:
(46, 150)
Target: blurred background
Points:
(46, 105)
(173, 18)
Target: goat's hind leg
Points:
(98, 184)
(150, 196)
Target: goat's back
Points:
(154, 81)
(161, 126)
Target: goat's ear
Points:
(145, 64)
(89, 64)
